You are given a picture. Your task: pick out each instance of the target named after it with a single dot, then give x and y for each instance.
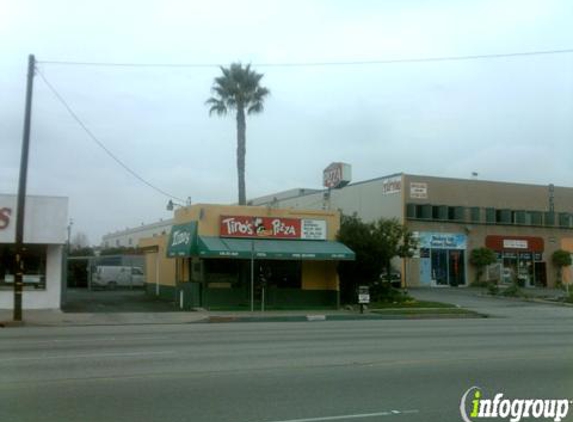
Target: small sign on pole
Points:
(363, 294)
(363, 297)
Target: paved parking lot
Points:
(95, 301)
(477, 300)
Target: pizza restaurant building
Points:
(220, 256)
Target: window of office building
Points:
(475, 214)
(565, 220)
(503, 216)
(490, 215)
(549, 218)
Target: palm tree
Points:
(239, 90)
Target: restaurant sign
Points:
(272, 227)
(336, 175)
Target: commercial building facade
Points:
(44, 239)
(235, 256)
(524, 224)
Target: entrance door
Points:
(456, 268)
(440, 267)
(540, 274)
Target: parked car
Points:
(115, 276)
(395, 278)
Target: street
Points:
(402, 370)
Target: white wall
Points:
(370, 200)
(45, 222)
(50, 298)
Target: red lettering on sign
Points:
(5, 214)
(269, 227)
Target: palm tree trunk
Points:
(241, 152)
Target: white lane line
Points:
(91, 356)
(353, 416)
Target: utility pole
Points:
(21, 206)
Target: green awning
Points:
(182, 240)
(218, 247)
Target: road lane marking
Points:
(352, 416)
(90, 356)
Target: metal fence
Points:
(108, 271)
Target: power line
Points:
(319, 64)
(98, 142)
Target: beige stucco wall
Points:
(158, 268)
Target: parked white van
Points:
(116, 276)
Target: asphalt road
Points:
(265, 372)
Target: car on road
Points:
(395, 278)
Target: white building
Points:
(44, 239)
(129, 238)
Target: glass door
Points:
(440, 267)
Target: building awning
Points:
(182, 240)
(217, 247)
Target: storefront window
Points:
(34, 259)
(518, 268)
(222, 272)
(282, 274)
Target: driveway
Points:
(477, 300)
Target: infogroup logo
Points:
(474, 406)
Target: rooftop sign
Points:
(336, 175)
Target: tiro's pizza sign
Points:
(272, 227)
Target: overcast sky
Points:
(508, 119)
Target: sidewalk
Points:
(55, 318)
(46, 318)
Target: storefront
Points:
(230, 256)
(521, 259)
(44, 239)
(443, 259)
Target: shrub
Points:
(384, 292)
(492, 288)
(513, 291)
(481, 258)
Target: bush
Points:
(513, 291)
(384, 292)
(492, 288)
(481, 258)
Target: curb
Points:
(529, 299)
(357, 317)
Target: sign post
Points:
(363, 297)
(252, 275)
